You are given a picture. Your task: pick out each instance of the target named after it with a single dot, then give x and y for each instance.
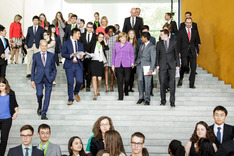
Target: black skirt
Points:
(96, 68)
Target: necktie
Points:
(189, 35)
(143, 47)
(132, 22)
(26, 154)
(35, 30)
(43, 58)
(165, 44)
(4, 40)
(219, 135)
(76, 46)
(88, 38)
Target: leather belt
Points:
(75, 61)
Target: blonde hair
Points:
(17, 17)
(121, 34)
(104, 18)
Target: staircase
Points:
(160, 124)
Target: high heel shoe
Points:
(95, 97)
(98, 94)
(112, 89)
(107, 88)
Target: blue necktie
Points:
(219, 135)
(4, 42)
(26, 154)
(76, 46)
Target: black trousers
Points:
(133, 71)
(185, 62)
(122, 73)
(3, 70)
(5, 126)
(87, 73)
(163, 78)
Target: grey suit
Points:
(146, 57)
(52, 150)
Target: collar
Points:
(216, 126)
(42, 52)
(30, 147)
(169, 21)
(147, 43)
(35, 26)
(73, 40)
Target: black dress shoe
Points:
(151, 94)
(39, 112)
(179, 82)
(140, 101)
(192, 87)
(162, 104)
(172, 104)
(44, 118)
(131, 90)
(147, 103)
(28, 76)
(126, 94)
(120, 99)
(87, 89)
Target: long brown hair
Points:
(7, 88)
(209, 133)
(134, 39)
(71, 140)
(113, 143)
(46, 22)
(56, 20)
(96, 127)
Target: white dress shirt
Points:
(90, 36)
(131, 21)
(74, 48)
(98, 55)
(221, 131)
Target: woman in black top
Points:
(8, 111)
(102, 125)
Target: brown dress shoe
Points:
(81, 87)
(69, 103)
(77, 97)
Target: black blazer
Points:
(137, 27)
(87, 46)
(194, 26)
(58, 48)
(95, 27)
(68, 32)
(227, 134)
(170, 57)
(30, 37)
(96, 145)
(174, 29)
(184, 45)
(17, 151)
(13, 102)
(2, 51)
(225, 148)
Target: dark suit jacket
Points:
(170, 57)
(87, 46)
(184, 44)
(194, 26)
(137, 27)
(95, 27)
(67, 50)
(13, 102)
(174, 29)
(17, 151)
(58, 48)
(39, 71)
(225, 148)
(96, 145)
(30, 37)
(68, 32)
(2, 51)
(227, 134)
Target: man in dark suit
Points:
(69, 27)
(26, 148)
(187, 40)
(73, 64)
(173, 24)
(133, 22)
(88, 39)
(32, 41)
(146, 57)
(4, 44)
(43, 73)
(167, 61)
(226, 148)
(96, 22)
(222, 131)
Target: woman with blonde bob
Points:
(113, 143)
(104, 24)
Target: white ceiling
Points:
(119, 1)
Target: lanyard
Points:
(45, 150)
(99, 47)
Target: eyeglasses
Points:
(105, 125)
(25, 136)
(137, 143)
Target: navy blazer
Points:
(39, 71)
(2, 51)
(30, 37)
(19, 152)
(67, 50)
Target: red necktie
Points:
(189, 35)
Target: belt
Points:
(74, 61)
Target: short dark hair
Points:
(27, 127)
(2, 27)
(165, 31)
(43, 126)
(144, 27)
(117, 26)
(188, 13)
(188, 19)
(35, 17)
(82, 20)
(96, 13)
(220, 108)
(74, 15)
(146, 35)
(90, 23)
(169, 14)
(205, 147)
(75, 30)
(139, 135)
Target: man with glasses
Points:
(138, 144)
(49, 149)
(26, 148)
